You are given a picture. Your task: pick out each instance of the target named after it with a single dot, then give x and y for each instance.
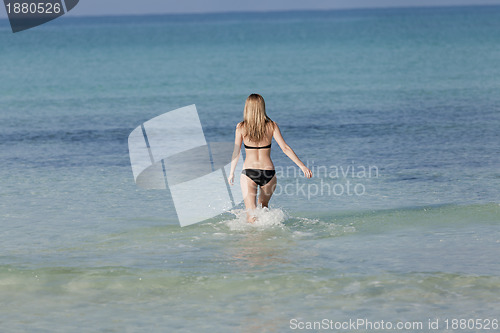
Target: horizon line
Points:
(72, 15)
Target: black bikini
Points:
(259, 176)
(249, 147)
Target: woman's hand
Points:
(308, 173)
(230, 179)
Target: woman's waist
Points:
(267, 165)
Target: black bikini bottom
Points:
(260, 177)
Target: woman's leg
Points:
(266, 192)
(249, 191)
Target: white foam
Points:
(301, 234)
(265, 218)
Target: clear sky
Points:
(121, 7)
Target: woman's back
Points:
(258, 154)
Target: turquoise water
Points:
(411, 94)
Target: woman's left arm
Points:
(238, 139)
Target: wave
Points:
(372, 221)
(423, 216)
(128, 280)
(110, 135)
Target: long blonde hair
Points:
(255, 120)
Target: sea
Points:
(396, 111)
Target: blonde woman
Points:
(256, 132)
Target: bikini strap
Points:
(250, 147)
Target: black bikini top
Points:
(264, 147)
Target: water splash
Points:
(265, 218)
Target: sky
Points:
(127, 7)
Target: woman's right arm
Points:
(238, 139)
(289, 151)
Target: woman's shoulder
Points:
(240, 127)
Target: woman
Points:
(256, 132)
